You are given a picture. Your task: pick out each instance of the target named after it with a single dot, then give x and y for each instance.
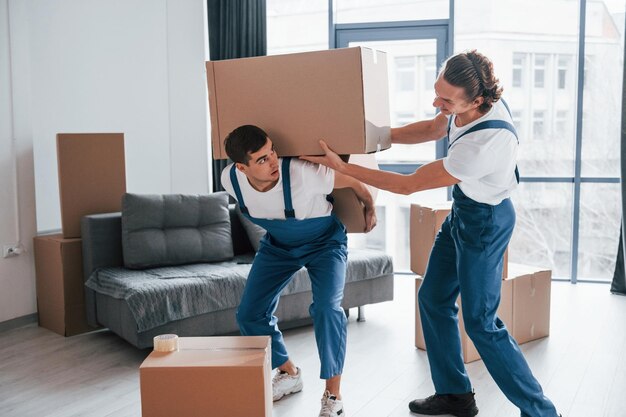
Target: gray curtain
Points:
(237, 29)
(618, 286)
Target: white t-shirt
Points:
(484, 160)
(310, 184)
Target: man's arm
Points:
(422, 131)
(362, 193)
(428, 176)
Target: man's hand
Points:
(370, 218)
(330, 158)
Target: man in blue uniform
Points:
(466, 258)
(288, 198)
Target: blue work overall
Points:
(467, 258)
(320, 245)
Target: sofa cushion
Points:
(161, 230)
(254, 231)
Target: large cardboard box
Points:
(209, 376)
(524, 308)
(59, 281)
(425, 222)
(346, 205)
(531, 301)
(339, 95)
(470, 354)
(92, 176)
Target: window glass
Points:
(540, 71)
(539, 124)
(565, 69)
(600, 216)
(602, 97)
(409, 99)
(519, 63)
(360, 11)
(392, 231)
(543, 229)
(406, 73)
(527, 44)
(429, 73)
(285, 20)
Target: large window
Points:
(569, 192)
(567, 203)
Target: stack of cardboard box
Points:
(525, 295)
(92, 179)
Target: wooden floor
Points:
(582, 365)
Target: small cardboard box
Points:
(531, 302)
(425, 223)
(338, 95)
(524, 308)
(470, 354)
(346, 205)
(92, 176)
(59, 281)
(209, 376)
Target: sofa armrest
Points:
(102, 246)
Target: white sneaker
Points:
(285, 384)
(331, 406)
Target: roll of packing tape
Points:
(166, 343)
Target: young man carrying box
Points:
(288, 199)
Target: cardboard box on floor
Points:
(59, 281)
(524, 308)
(470, 354)
(531, 301)
(338, 95)
(92, 176)
(209, 376)
(425, 223)
(346, 205)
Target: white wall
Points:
(135, 67)
(17, 183)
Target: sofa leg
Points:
(361, 315)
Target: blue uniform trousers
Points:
(271, 271)
(467, 259)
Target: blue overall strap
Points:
(507, 107)
(511, 114)
(235, 183)
(289, 211)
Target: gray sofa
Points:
(178, 264)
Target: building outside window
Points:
(564, 68)
(539, 124)
(519, 64)
(405, 73)
(429, 72)
(540, 71)
(561, 124)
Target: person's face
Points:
(262, 167)
(450, 99)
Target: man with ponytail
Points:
(467, 255)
